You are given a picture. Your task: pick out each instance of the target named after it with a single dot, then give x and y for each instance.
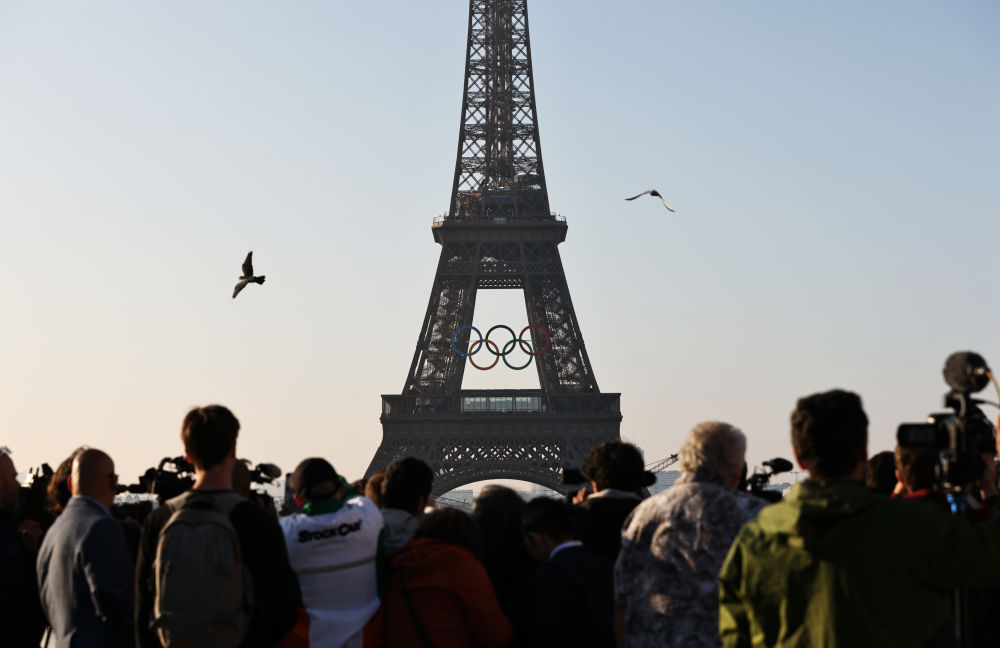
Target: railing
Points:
(497, 220)
(513, 402)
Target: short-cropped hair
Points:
(548, 516)
(406, 481)
(615, 464)
(209, 434)
(715, 448)
(830, 433)
(880, 475)
(452, 526)
(917, 467)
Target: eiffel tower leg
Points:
(564, 367)
(436, 368)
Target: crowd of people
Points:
(837, 562)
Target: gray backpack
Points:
(203, 592)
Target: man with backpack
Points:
(212, 568)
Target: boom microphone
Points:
(779, 465)
(966, 372)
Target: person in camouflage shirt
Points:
(673, 544)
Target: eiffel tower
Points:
(498, 234)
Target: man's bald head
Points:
(8, 484)
(94, 476)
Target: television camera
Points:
(962, 436)
(761, 477)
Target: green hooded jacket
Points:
(835, 564)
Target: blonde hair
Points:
(714, 447)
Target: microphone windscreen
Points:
(965, 371)
(779, 465)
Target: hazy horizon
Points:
(833, 166)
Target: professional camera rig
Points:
(761, 477)
(174, 475)
(962, 436)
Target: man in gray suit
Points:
(85, 572)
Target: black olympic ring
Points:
(492, 347)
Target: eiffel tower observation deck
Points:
(499, 233)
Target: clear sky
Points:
(834, 167)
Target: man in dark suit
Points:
(572, 593)
(85, 572)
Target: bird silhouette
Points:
(653, 192)
(247, 275)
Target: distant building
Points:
(460, 499)
(664, 480)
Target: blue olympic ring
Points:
(492, 348)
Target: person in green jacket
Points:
(836, 564)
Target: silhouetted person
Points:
(209, 437)
(617, 475)
(439, 589)
(880, 475)
(406, 490)
(241, 479)
(571, 595)
(84, 567)
(21, 620)
(497, 511)
(373, 488)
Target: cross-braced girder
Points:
(498, 171)
(498, 234)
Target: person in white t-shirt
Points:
(333, 546)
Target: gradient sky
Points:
(834, 167)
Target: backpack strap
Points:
(221, 502)
(425, 638)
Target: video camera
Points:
(758, 481)
(263, 473)
(961, 436)
(165, 484)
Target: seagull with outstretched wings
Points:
(247, 275)
(653, 192)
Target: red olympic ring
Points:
(520, 339)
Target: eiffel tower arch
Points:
(498, 234)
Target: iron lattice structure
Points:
(498, 234)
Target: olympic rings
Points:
(515, 341)
(495, 353)
(520, 339)
(503, 326)
(511, 345)
(466, 326)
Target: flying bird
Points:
(247, 275)
(653, 192)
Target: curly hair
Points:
(615, 464)
(715, 448)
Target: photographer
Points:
(835, 564)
